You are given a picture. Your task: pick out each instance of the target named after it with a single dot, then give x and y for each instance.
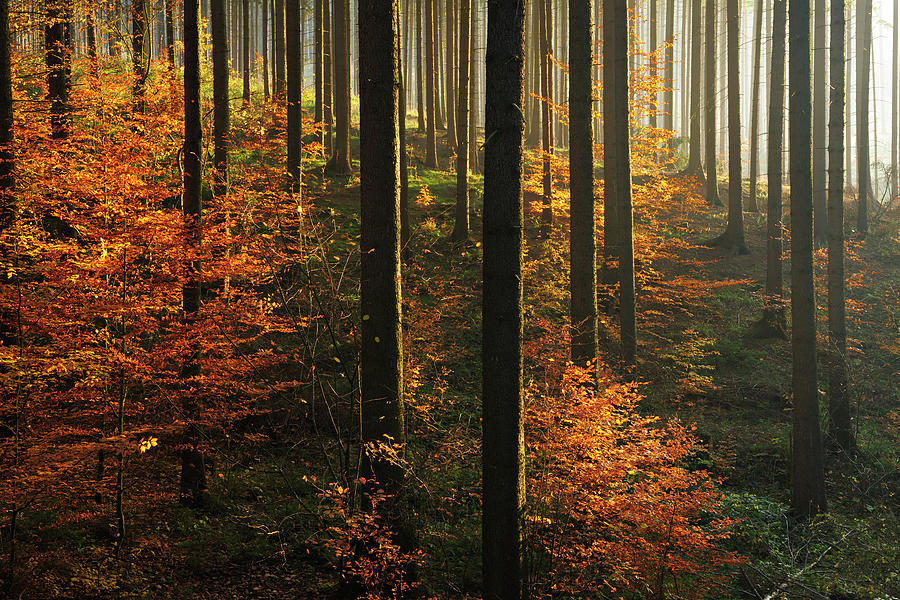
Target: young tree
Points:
(820, 110)
(617, 164)
(461, 226)
(546, 122)
(430, 93)
(220, 96)
(381, 352)
(711, 190)
(583, 239)
(863, 58)
(294, 106)
(807, 470)
(838, 398)
(339, 163)
(503, 448)
(754, 106)
(193, 473)
(693, 165)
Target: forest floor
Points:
(260, 535)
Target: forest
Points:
(450, 299)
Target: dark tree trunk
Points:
(381, 353)
(404, 166)
(461, 226)
(265, 47)
(863, 52)
(138, 26)
(807, 471)
(294, 85)
(420, 70)
(546, 123)
(221, 132)
(193, 474)
(503, 447)
(669, 93)
(430, 95)
(339, 163)
(245, 51)
(838, 397)
(583, 240)
(711, 191)
(617, 167)
(694, 165)
(59, 74)
(278, 33)
(327, 87)
(820, 110)
(170, 32)
(318, 43)
(752, 205)
(449, 20)
(773, 320)
(7, 132)
(92, 39)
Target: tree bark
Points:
(265, 49)
(420, 70)
(694, 166)
(138, 26)
(546, 123)
(461, 226)
(669, 93)
(895, 104)
(752, 204)
(7, 132)
(449, 84)
(339, 163)
(294, 86)
(807, 470)
(430, 111)
(59, 73)
(278, 33)
(820, 112)
(711, 190)
(617, 164)
(327, 86)
(221, 133)
(245, 42)
(838, 397)
(503, 448)
(583, 239)
(863, 52)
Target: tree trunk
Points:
(327, 87)
(583, 240)
(546, 124)
(339, 164)
(694, 166)
(59, 73)
(653, 25)
(245, 41)
(265, 51)
(838, 398)
(7, 131)
(711, 191)
(221, 132)
(754, 106)
(895, 104)
(170, 31)
(405, 232)
(807, 471)
(863, 50)
(669, 92)
(430, 142)
(278, 32)
(773, 321)
(420, 70)
(450, 18)
(138, 25)
(820, 112)
(294, 86)
(461, 226)
(503, 447)
(617, 164)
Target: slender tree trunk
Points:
(754, 106)
(327, 87)
(711, 191)
(7, 131)
(405, 232)
(583, 240)
(461, 226)
(170, 31)
(669, 92)
(653, 25)
(221, 117)
(820, 112)
(694, 166)
(863, 50)
(546, 125)
(318, 75)
(895, 104)
(339, 163)
(278, 33)
(193, 481)
(430, 95)
(138, 25)
(475, 70)
(735, 232)
(59, 74)
(503, 448)
(773, 321)
(807, 471)
(617, 165)
(420, 70)
(265, 51)
(92, 42)
(450, 18)
(838, 398)
(294, 86)
(245, 41)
